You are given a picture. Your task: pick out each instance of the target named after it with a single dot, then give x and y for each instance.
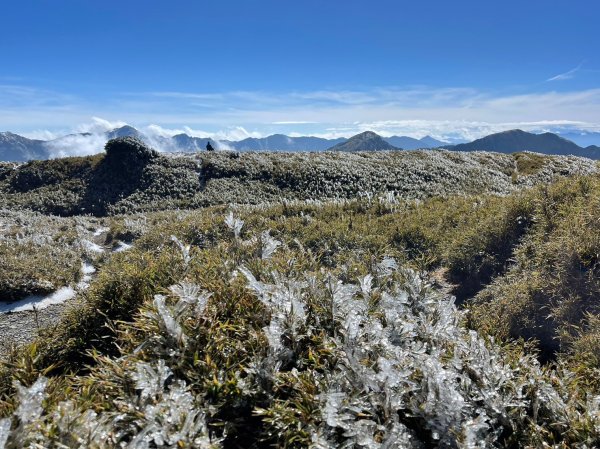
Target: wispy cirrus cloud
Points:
(566, 75)
(294, 122)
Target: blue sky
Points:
(236, 68)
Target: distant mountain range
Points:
(18, 148)
(14, 147)
(582, 138)
(518, 140)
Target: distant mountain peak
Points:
(516, 140)
(365, 141)
(124, 131)
(128, 128)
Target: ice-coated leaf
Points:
(185, 250)
(366, 285)
(167, 320)
(331, 411)
(234, 224)
(274, 331)
(269, 245)
(151, 380)
(387, 266)
(191, 297)
(30, 400)
(4, 431)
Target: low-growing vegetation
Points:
(39, 254)
(367, 318)
(133, 178)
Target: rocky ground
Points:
(17, 328)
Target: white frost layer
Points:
(87, 269)
(100, 231)
(91, 246)
(38, 301)
(121, 246)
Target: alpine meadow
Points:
(343, 225)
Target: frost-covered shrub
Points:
(158, 413)
(133, 177)
(406, 374)
(124, 151)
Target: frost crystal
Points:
(235, 224)
(4, 431)
(190, 296)
(30, 400)
(269, 245)
(366, 285)
(387, 266)
(151, 382)
(167, 320)
(185, 250)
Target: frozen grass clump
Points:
(158, 412)
(40, 254)
(288, 354)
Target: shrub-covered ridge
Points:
(134, 178)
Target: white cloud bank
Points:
(90, 137)
(416, 111)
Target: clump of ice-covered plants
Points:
(262, 354)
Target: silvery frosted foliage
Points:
(137, 226)
(265, 177)
(190, 296)
(151, 381)
(288, 317)
(166, 319)
(169, 414)
(288, 313)
(235, 224)
(407, 374)
(386, 267)
(4, 431)
(269, 245)
(284, 297)
(161, 414)
(30, 400)
(185, 250)
(187, 299)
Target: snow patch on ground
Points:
(122, 246)
(38, 302)
(87, 269)
(91, 246)
(100, 231)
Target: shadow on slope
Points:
(117, 175)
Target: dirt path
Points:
(17, 328)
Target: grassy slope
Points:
(524, 257)
(39, 254)
(524, 265)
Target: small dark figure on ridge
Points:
(209, 147)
